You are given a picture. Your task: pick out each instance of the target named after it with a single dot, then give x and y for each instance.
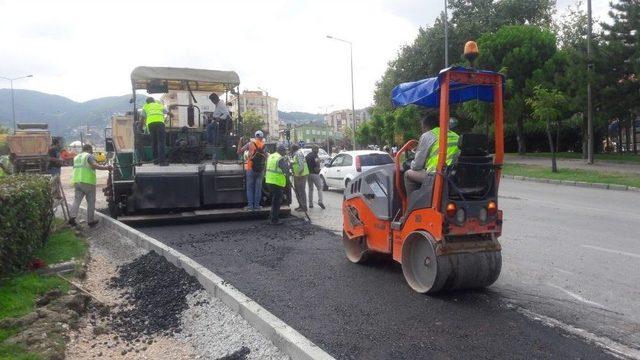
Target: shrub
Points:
(25, 219)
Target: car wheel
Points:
(325, 187)
(346, 183)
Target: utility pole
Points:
(446, 36)
(13, 106)
(353, 106)
(268, 106)
(589, 101)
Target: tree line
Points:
(546, 66)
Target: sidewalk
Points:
(599, 165)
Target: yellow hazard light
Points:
(451, 209)
(471, 51)
(492, 208)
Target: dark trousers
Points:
(157, 132)
(276, 201)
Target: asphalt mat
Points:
(299, 272)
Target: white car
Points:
(324, 157)
(348, 164)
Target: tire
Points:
(325, 187)
(346, 183)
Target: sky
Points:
(87, 49)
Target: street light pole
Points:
(446, 37)
(13, 106)
(589, 101)
(353, 105)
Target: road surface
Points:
(570, 279)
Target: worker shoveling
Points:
(179, 160)
(445, 232)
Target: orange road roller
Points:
(445, 233)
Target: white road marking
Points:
(563, 271)
(577, 297)
(617, 349)
(611, 251)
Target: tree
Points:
(251, 122)
(520, 50)
(547, 106)
(4, 129)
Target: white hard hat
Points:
(259, 134)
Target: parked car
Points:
(348, 164)
(324, 157)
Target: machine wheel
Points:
(355, 249)
(325, 187)
(426, 272)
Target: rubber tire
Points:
(346, 183)
(325, 187)
(356, 250)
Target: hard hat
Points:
(259, 134)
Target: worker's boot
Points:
(321, 205)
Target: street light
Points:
(353, 106)
(13, 106)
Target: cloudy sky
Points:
(87, 49)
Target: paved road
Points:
(570, 254)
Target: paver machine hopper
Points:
(445, 234)
(205, 178)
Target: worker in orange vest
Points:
(254, 166)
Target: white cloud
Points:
(86, 49)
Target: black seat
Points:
(472, 174)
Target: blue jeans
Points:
(254, 188)
(211, 133)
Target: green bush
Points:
(25, 219)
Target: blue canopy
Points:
(427, 92)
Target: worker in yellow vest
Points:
(276, 178)
(426, 158)
(300, 175)
(153, 112)
(84, 184)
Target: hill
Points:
(296, 117)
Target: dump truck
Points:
(444, 234)
(202, 180)
(29, 148)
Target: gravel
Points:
(216, 332)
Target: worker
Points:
(300, 173)
(426, 158)
(153, 112)
(84, 184)
(276, 178)
(314, 179)
(55, 164)
(254, 167)
(219, 119)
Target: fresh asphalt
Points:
(569, 254)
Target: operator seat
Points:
(472, 174)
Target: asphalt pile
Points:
(154, 297)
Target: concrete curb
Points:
(573, 183)
(277, 331)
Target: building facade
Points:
(264, 105)
(339, 120)
(313, 133)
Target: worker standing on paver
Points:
(276, 178)
(153, 112)
(254, 166)
(84, 184)
(313, 163)
(426, 158)
(300, 174)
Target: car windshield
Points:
(375, 159)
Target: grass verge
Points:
(19, 292)
(618, 158)
(589, 176)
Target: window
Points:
(375, 159)
(348, 160)
(337, 161)
(308, 132)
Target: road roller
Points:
(444, 234)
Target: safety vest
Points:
(452, 149)
(274, 174)
(258, 144)
(296, 166)
(82, 171)
(154, 112)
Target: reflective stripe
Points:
(82, 171)
(274, 174)
(452, 149)
(154, 112)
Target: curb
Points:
(573, 183)
(283, 336)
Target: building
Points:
(341, 119)
(313, 133)
(264, 105)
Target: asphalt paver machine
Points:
(204, 179)
(445, 234)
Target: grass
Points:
(61, 246)
(619, 158)
(589, 176)
(19, 292)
